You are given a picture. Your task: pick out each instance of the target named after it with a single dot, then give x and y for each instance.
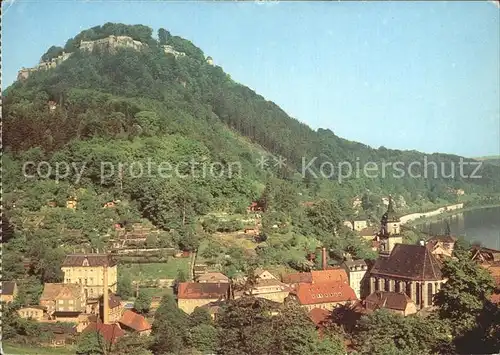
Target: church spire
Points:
(390, 207)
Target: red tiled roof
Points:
(337, 274)
(325, 292)
(110, 332)
(319, 315)
(195, 290)
(134, 321)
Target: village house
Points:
(357, 224)
(213, 277)
(134, 322)
(194, 294)
(326, 295)
(441, 246)
(83, 320)
(266, 286)
(88, 271)
(255, 206)
(488, 259)
(397, 302)
(411, 269)
(368, 233)
(64, 301)
(34, 312)
(357, 203)
(8, 291)
(52, 105)
(110, 332)
(326, 274)
(115, 307)
(356, 271)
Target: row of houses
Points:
(86, 298)
(404, 278)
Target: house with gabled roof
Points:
(135, 322)
(325, 295)
(194, 294)
(397, 302)
(441, 245)
(8, 291)
(266, 286)
(411, 269)
(63, 300)
(88, 270)
(110, 332)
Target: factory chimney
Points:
(105, 297)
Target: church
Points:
(404, 268)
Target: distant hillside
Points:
(145, 101)
(492, 159)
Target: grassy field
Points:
(156, 291)
(236, 239)
(153, 271)
(14, 349)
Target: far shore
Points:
(444, 215)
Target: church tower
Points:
(390, 228)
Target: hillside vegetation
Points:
(147, 107)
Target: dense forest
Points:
(130, 108)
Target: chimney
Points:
(105, 307)
(323, 258)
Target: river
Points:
(480, 225)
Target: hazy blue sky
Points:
(421, 75)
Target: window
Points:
(61, 301)
(70, 301)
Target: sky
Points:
(406, 75)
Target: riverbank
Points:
(444, 215)
(406, 219)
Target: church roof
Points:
(406, 261)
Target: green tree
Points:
(169, 329)
(163, 36)
(383, 332)
(200, 316)
(91, 343)
(203, 337)
(124, 285)
(465, 294)
(142, 303)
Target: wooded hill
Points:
(131, 105)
